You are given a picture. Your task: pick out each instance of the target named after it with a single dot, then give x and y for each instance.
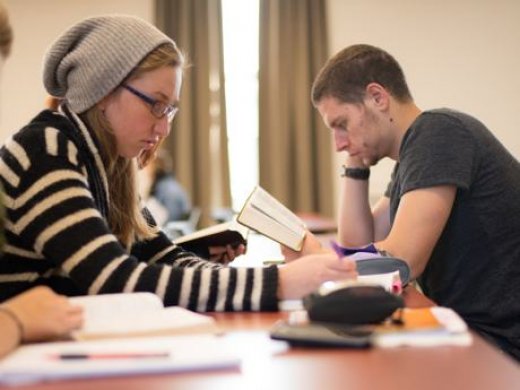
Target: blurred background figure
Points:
(169, 202)
(165, 197)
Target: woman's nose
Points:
(162, 127)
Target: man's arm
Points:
(358, 225)
(381, 216)
(418, 224)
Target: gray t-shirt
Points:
(475, 265)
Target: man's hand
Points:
(310, 245)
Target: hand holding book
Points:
(227, 253)
(262, 213)
(223, 242)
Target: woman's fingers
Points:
(225, 254)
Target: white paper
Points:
(36, 363)
(136, 314)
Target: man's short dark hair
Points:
(346, 75)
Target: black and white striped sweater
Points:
(56, 234)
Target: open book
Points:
(266, 215)
(136, 314)
(262, 213)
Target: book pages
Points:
(136, 314)
(266, 215)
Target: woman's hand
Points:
(44, 314)
(301, 277)
(311, 245)
(225, 254)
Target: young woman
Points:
(73, 213)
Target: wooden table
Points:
(318, 224)
(269, 364)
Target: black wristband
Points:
(355, 173)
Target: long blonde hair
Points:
(125, 218)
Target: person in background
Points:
(38, 314)
(73, 209)
(452, 208)
(166, 190)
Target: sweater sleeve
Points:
(52, 214)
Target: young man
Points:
(452, 209)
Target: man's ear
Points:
(378, 95)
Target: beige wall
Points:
(462, 54)
(36, 24)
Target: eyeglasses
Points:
(159, 109)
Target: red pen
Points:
(116, 355)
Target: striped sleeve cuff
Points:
(269, 298)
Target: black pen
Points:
(114, 355)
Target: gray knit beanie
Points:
(93, 57)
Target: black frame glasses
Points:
(159, 109)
